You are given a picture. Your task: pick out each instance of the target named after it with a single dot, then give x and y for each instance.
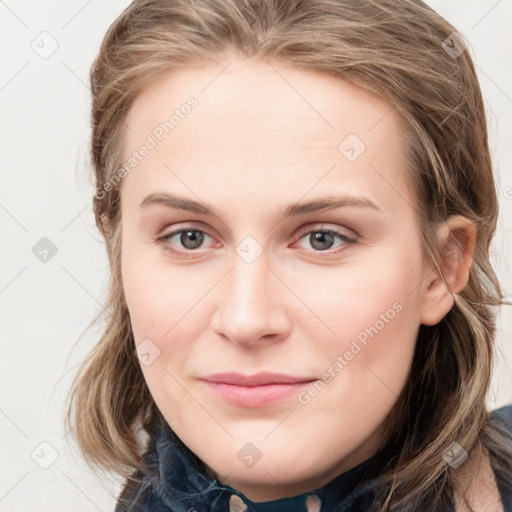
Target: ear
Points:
(456, 241)
(104, 225)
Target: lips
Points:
(255, 390)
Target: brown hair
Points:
(394, 49)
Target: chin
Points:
(292, 467)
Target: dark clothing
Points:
(178, 482)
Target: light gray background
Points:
(46, 192)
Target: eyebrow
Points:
(295, 209)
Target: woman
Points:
(297, 200)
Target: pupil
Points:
(195, 237)
(322, 240)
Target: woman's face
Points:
(268, 230)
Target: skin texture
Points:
(264, 136)
(479, 485)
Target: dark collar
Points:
(178, 481)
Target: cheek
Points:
(373, 315)
(366, 300)
(158, 295)
(370, 356)
(164, 312)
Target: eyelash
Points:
(302, 233)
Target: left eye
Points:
(323, 240)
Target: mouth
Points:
(255, 390)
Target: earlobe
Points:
(456, 245)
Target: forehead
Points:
(257, 124)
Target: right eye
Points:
(189, 237)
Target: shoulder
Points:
(135, 495)
(478, 485)
(504, 416)
(481, 486)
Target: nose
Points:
(251, 305)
